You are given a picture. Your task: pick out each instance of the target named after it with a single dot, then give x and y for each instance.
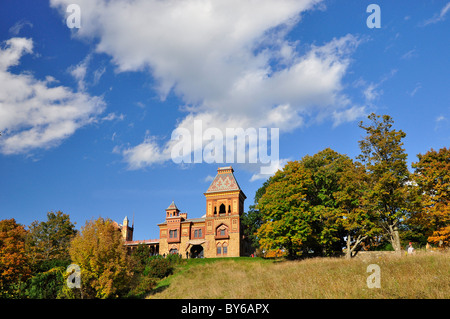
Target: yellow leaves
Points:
(102, 257)
(432, 177)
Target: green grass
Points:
(188, 264)
(419, 276)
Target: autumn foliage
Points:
(14, 268)
(322, 203)
(432, 176)
(105, 266)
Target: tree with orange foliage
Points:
(14, 269)
(432, 175)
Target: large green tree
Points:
(48, 240)
(287, 220)
(384, 157)
(358, 219)
(252, 219)
(299, 209)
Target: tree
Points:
(326, 168)
(432, 179)
(50, 239)
(385, 161)
(299, 209)
(106, 268)
(358, 219)
(285, 215)
(14, 268)
(252, 220)
(141, 257)
(49, 281)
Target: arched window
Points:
(219, 249)
(222, 231)
(224, 249)
(222, 209)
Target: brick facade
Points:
(218, 233)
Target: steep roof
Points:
(172, 206)
(224, 181)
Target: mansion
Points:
(218, 233)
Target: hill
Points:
(424, 275)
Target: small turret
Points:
(127, 231)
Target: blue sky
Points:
(87, 114)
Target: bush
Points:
(174, 259)
(48, 280)
(140, 286)
(46, 285)
(158, 267)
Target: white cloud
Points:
(228, 60)
(33, 114)
(113, 116)
(409, 55)
(440, 118)
(438, 17)
(371, 93)
(144, 154)
(416, 88)
(274, 167)
(79, 72)
(19, 25)
(348, 115)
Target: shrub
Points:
(158, 267)
(140, 286)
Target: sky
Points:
(88, 111)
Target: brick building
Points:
(218, 233)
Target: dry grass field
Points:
(424, 275)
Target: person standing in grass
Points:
(411, 249)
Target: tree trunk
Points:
(349, 252)
(355, 247)
(394, 238)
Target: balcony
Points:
(173, 240)
(222, 234)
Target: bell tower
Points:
(127, 230)
(224, 207)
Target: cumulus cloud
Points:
(228, 60)
(34, 114)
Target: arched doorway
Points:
(197, 251)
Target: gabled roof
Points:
(224, 181)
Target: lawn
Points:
(425, 275)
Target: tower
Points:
(127, 231)
(172, 210)
(224, 208)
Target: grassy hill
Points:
(424, 275)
